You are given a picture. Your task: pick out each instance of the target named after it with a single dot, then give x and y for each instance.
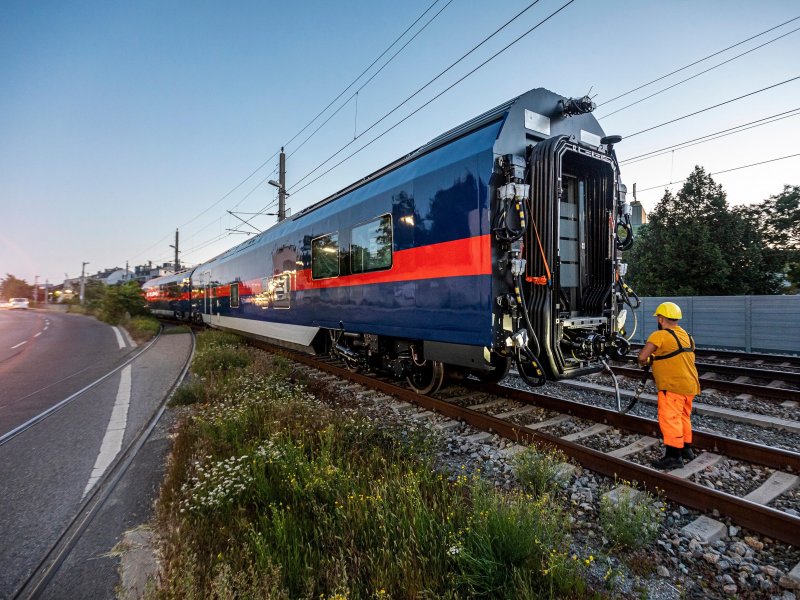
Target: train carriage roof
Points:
(512, 137)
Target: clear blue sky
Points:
(120, 121)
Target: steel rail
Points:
(793, 359)
(771, 374)
(9, 435)
(762, 519)
(50, 564)
(768, 392)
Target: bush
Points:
(633, 520)
(118, 301)
(538, 471)
(142, 328)
(190, 392)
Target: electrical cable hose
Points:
(536, 380)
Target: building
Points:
(638, 215)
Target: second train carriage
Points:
(495, 242)
(168, 295)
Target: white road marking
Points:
(20, 344)
(112, 441)
(37, 334)
(45, 328)
(120, 341)
(128, 338)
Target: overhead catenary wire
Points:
(657, 79)
(697, 112)
(763, 162)
(713, 136)
(375, 74)
(669, 87)
(263, 164)
(360, 75)
(529, 31)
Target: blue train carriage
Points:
(495, 242)
(169, 295)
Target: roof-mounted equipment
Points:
(576, 106)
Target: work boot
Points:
(670, 460)
(687, 453)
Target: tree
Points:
(119, 300)
(11, 287)
(778, 220)
(695, 245)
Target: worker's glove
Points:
(649, 361)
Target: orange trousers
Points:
(674, 412)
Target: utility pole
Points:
(177, 264)
(83, 272)
(281, 185)
(282, 189)
(36, 289)
(47, 291)
(126, 270)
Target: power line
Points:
(375, 74)
(700, 73)
(763, 162)
(697, 62)
(447, 89)
(344, 91)
(385, 116)
(261, 166)
(713, 136)
(697, 112)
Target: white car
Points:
(18, 303)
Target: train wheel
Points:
(501, 366)
(426, 378)
(350, 365)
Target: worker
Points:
(670, 351)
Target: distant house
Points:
(146, 272)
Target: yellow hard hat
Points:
(670, 310)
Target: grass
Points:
(142, 328)
(272, 492)
(539, 471)
(633, 520)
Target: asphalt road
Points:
(48, 470)
(46, 356)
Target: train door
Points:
(207, 293)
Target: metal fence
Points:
(768, 324)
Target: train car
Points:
(169, 295)
(496, 242)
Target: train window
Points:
(234, 295)
(371, 245)
(325, 256)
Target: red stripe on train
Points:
(459, 258)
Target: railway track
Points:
(750, 511)
(772, 391)
(733, 356)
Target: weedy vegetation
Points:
(272, 492)
(539, 471)
(142, 328)
(632, 520)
